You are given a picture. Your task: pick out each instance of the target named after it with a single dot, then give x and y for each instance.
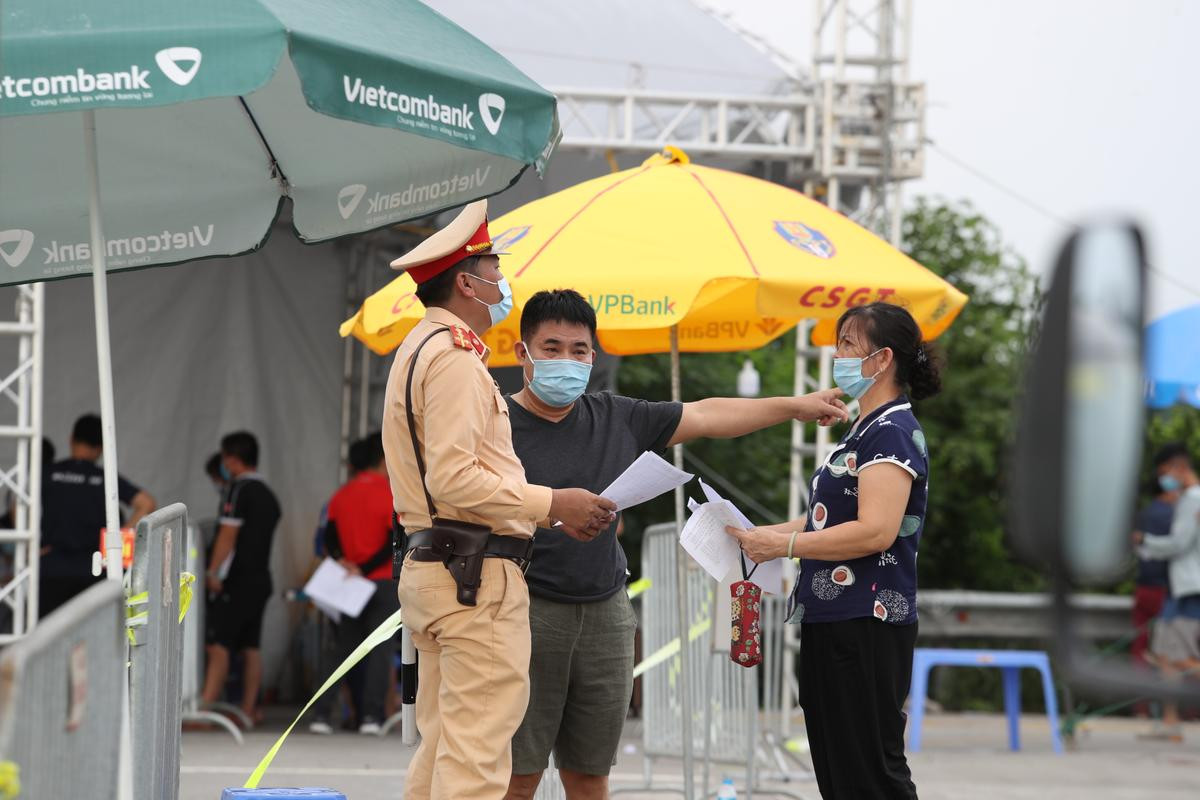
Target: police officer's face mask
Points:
(498, 311)
(558, 382)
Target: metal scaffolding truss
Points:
(834, 130)
(873, 116)
(21, 462)
(851, 130)
(777, 128)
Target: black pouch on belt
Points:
(462, 545)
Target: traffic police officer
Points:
(455, 463)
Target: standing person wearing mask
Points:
(469, 515)
(581, 621)
(856, 594)
(239, 572)
(1151, 583)
(1175, 641)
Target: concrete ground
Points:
(963, 756)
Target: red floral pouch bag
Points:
(745, 637)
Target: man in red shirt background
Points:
(358, 535)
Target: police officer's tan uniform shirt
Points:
(463, 428)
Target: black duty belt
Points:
(419, 545)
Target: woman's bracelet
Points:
(791, 544)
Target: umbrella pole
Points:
(112, 539)
(681, 573)
(112, 519)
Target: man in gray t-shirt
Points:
(581, 621)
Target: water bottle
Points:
(727, 791)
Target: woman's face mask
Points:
(848, 375)
(558, 382)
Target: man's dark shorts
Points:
(580, 682)
(234, 617)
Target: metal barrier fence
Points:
(156, 652)
(551, 787)
(61, 695)
(191, 681)
(722, 692)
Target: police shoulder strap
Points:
(412, 424)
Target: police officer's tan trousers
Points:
(473, 683)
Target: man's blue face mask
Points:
(558, 382)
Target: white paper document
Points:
(645, 479)
(769, 575)
(705, 539)
(332, 587)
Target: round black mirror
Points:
(1080, 431)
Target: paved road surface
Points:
(964, 756)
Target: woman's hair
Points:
(918, 364)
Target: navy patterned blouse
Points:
(882, 585)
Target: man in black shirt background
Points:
(239, 576)
(73, 516)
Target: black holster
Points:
(462, 546)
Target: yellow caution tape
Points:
(639, 587)
(10, 780)
(186, 579)
(137, 620)
(378, 636)
(671, 649)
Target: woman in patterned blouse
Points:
(855, 596)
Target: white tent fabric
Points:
(251, 343)
(199, 351)
(669, 45)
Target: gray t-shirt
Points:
(603, 434)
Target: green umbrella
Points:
(189, 121)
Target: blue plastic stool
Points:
(308, 793)
(1010, 661)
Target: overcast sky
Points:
(1084, 107)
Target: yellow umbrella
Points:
(732, 260)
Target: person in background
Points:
(216, 473)
(1150, 583)
(73, 515)
(856, 595)
(358, 535)
(1175, 642)
(581, 621)
(239, 575)
(9, 520)
(8, 549)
